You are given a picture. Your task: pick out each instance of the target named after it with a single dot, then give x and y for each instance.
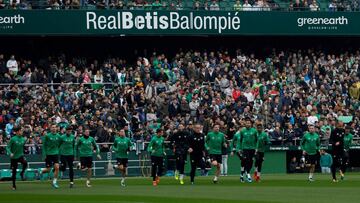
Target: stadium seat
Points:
(5, 174)
(45, 176)
(30, 174)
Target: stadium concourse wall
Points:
(176, 23)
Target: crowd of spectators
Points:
(212, 5)
(286, 90)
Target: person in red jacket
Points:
(236, 93)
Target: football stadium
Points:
(157, 101)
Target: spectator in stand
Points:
(314, 6)
(9, 127)
(179, 5)
(237, 6)
(12, 65)
(312, 119)
(214, 6)
(2, 4)
(333, 6)
(274, 88)
(197, 6)
(278, 136)
(298, 6)
(247, 6)
(156, 5)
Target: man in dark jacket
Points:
(179, 141)
(337, 142)
(196, 150)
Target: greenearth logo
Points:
(16, 19)
(322, 21)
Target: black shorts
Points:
(248, 154)
(51, 160)
(216, 157)
(14, 162)
(66, 160)
(182, 157)
(311, 159)
(196, 158)
(86, 162)
(122, 161)
(259, 156)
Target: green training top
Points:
(51, 144)
(85, 146)
(348, 141)
(16, 146)
(310, 143)
(156, 146)
(248, 138)
(67, 145)
(235, 143)
(262, 141)
(121, 147)
(214, 142)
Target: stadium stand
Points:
(286, 89)
(251, 5)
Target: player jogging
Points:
(347, 144)
(121, 148)
(196, 151)
(85, 147)
(236, 149)
(214, 142)
(67, 152)
(310, 144)
(51, 143)
(15, 149)
(337, 144)
(262, 141)
(180, 143)
(248, 141)
(157, 149)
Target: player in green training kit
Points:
(51, 143)
(310, 144)
(15, 149)
(348, 138)
(67, 152)
(262, 141)
(214, 141)
(85, 147)
(121, 148)
(157, 149)
(248, 141)
(237, 149)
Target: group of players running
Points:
(248, 143)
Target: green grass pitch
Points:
(273, 188)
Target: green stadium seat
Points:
(45, 176)
(5, 173)
(30, 174)
(18, 171)
(96, 86)
(90, 7)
